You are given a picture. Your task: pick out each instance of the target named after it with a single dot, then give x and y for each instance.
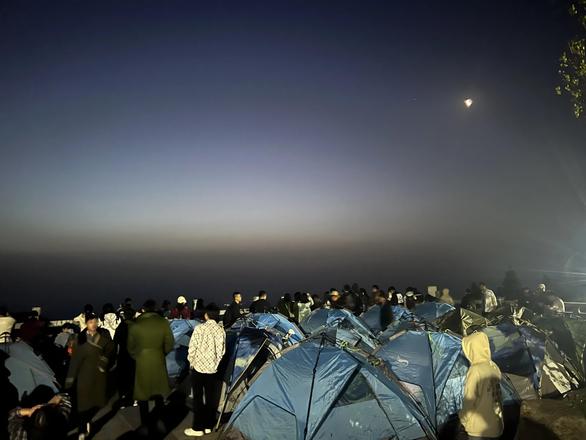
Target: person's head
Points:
(355, 288)
(374, 288)
(476, 347)
(379, 298)
(391, 290)
(445, 291)
(108, 308)
(47, 423)
(287, 297)
(88, 308)
(297, 296)
(127, 302)
(150, 305)
(91, 322)
(334, 296)
(3, 311)
(40, 395)
(181, 301)
(262, 294)
(541, 288)
(237, 297)
(346, 288)
(482, 286)
(212, 312)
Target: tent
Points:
(318, 390)
(462, 321)
(349, 329)
(405, 320)
(177, 359)
(372, 316)
(275, 321)
(247, 350)
(433, 367)
(432, 311)
(27, 370)
(533, 362)
(569, 335)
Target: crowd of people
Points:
(121, 351)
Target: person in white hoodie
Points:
(109, 320)
(482, 407)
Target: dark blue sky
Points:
(158, 148)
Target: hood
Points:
(476, 348)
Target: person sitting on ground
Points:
(206, 349)
(6, 324)
(261, 305)
(445, 297)
(181, 309)
(489, 299)
(43, 415)
(234, 311)
(482, 406)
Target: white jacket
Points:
(110, 323)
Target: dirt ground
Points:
(554, 419)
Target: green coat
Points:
(149, 340)
(88, 369)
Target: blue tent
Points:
(276, 321)
(432, 311)
(347, 328)
(534, 363)
(247, 350)
(432, 366)
(405, 320)
(317, 390)
(177, 359)
(372, 316)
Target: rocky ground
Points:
(554, 419)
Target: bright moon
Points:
(468, 102)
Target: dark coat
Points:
(233, 312)
(260, 306)
(88, 370)
(149, 340)
(386, 315)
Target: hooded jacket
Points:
(482, 408)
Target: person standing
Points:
(149, 340)
(88, 371)
(261, 305)
(489, 298)
(181, 309)
(481, 415)
(234, 310)
(206, 349)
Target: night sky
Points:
(190, 147)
